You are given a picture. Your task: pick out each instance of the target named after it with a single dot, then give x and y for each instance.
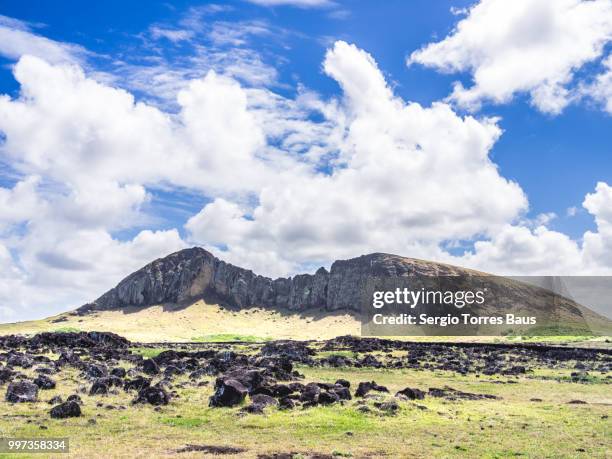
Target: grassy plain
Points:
(514, 426)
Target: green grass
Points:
(183, 422)
(67, 330)
(147, 352)
(560, 332)
(350, 354)
(228, 337)
(510, 427)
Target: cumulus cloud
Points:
(520, 250)
(290, 183)
(395, 182)
(598, 245)
(601, 88)
(86, 173)
(532, 46)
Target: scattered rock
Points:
(44, 382)
(22, 391)
(365, 387)
(453, 394)
(411, 394)
(390, 407)
(153, 395)
(69, 409)
(119, 372)
(150, 367)
(229, 392)
(75, 398)
(99, 387)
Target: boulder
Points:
(311, 393)
(229, 392)
(119, 372)
(137, 383)
(365, 387)
(22, 391)
(150, 367)
(69, 409)
(328, 397)
(99, 387)
(264, 400)
(153, 395)
(411, 394)
(342, 392)
(74, 398)
(44, 382)
(286, 403)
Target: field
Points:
(201, 322)
(532, 416)
(197, 322)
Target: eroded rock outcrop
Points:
(194, 273)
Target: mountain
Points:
(192, 274)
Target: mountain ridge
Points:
(194, 273)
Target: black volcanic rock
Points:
(22, 391)
(69, 409)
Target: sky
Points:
(284, 134)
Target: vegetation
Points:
(514, 426)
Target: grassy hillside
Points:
(206, 322)
(198, 322)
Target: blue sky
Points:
(548, 151)
(567, 153)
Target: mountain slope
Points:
(191, 275)
(194, 273)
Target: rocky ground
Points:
(57, 381)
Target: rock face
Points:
(193, 274)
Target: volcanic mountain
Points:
(195, 274)
(192, 274)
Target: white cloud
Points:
(373, 173)
(395, 182)
(601, 88)
(174, 35)
(544, 218)
(20, 203)
(16, 39)
(529, 46)
(518, 250)
(598, 245)
(236, 33)
(61, 267)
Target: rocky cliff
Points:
(193, 274)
